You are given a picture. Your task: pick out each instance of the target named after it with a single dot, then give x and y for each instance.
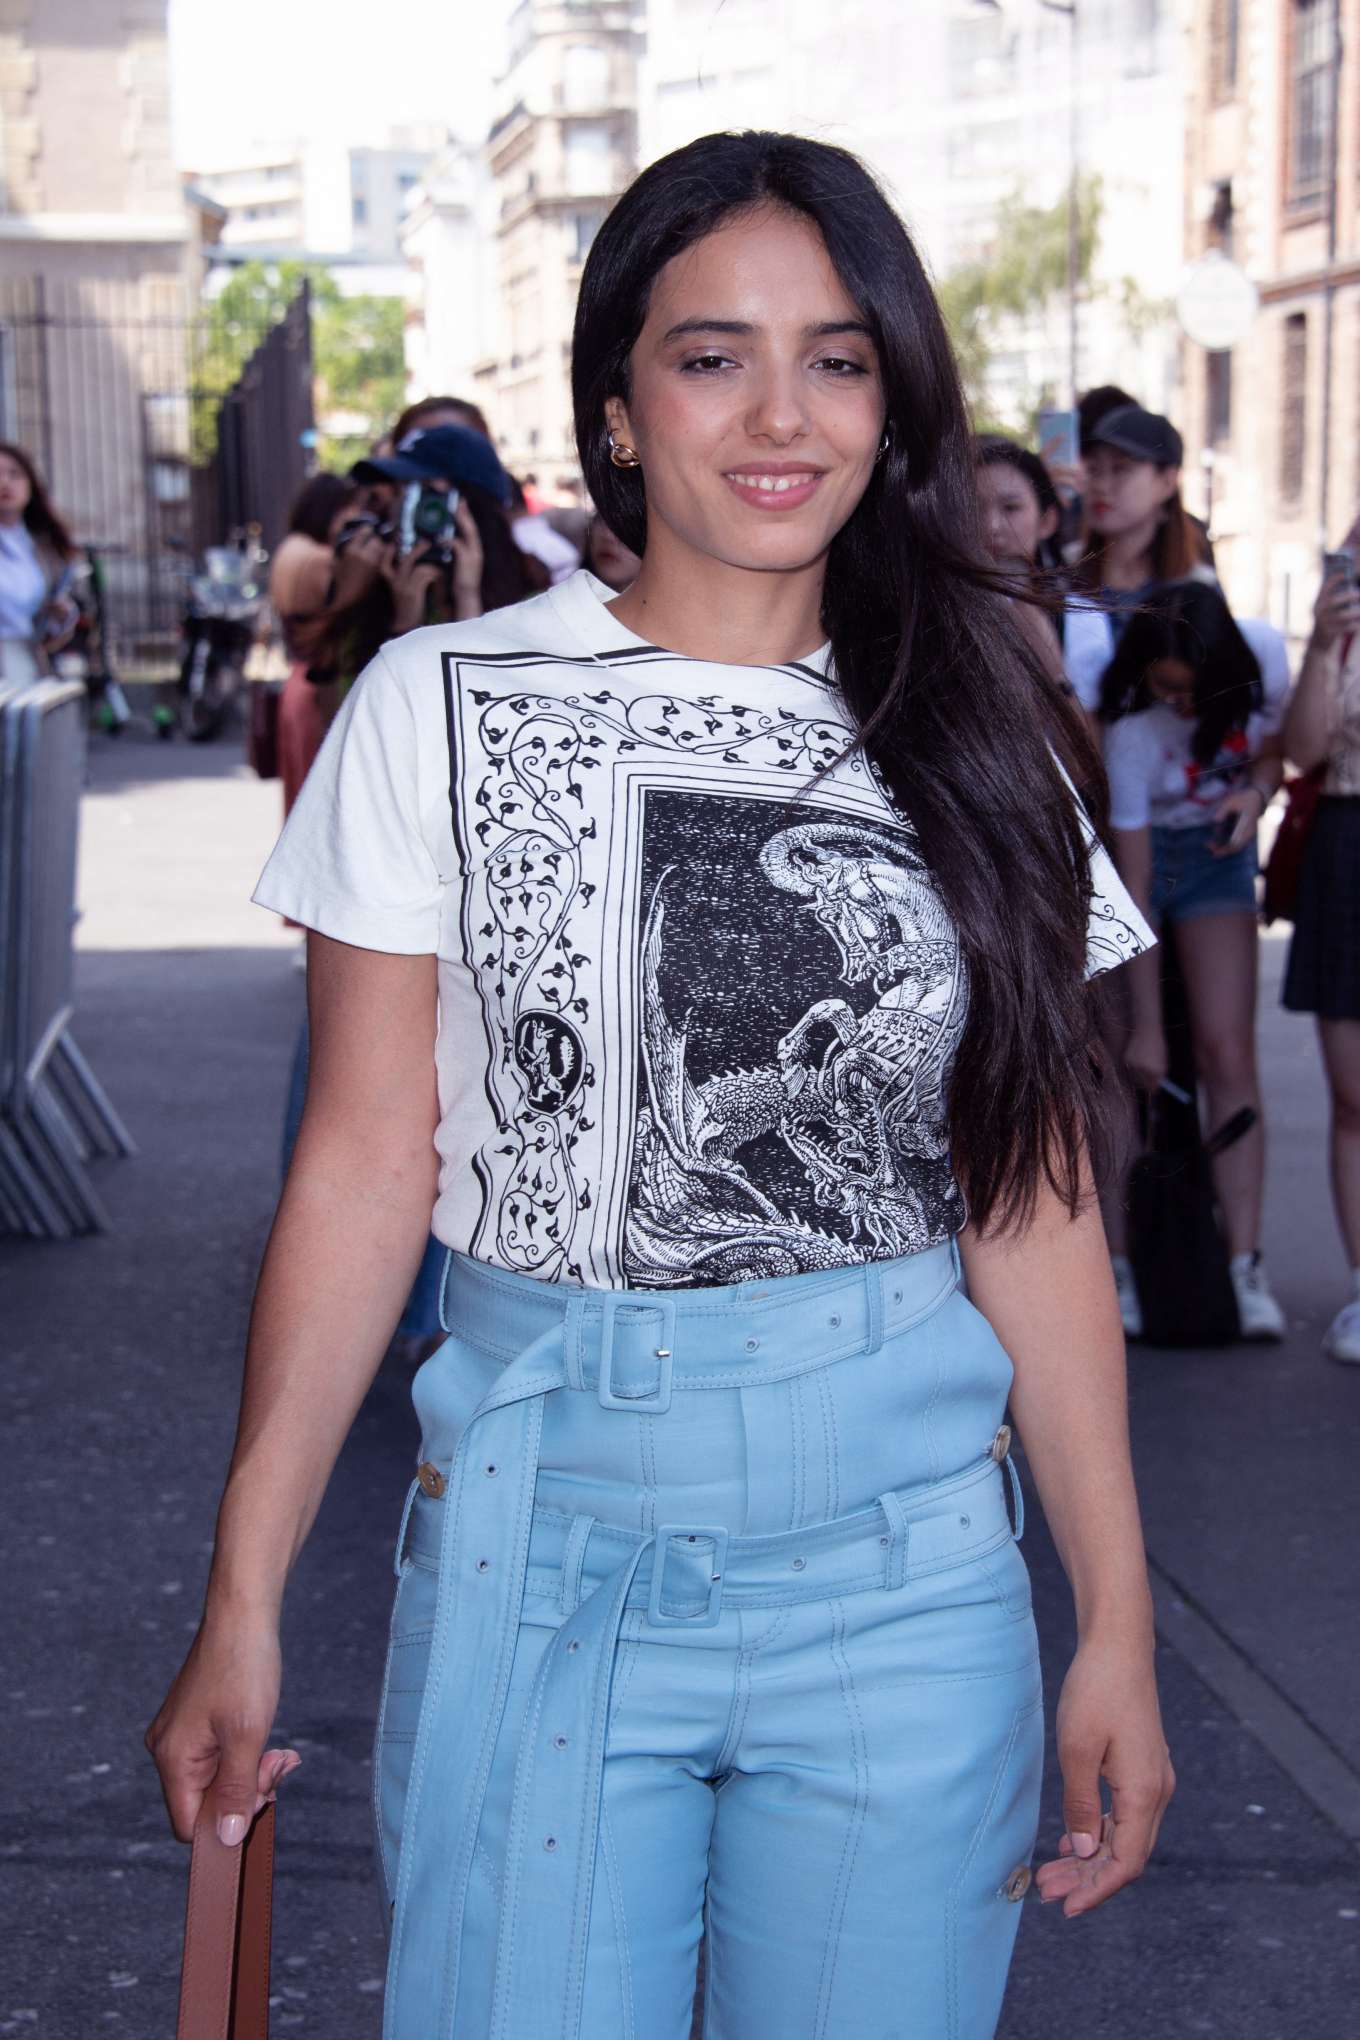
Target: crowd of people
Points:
(1192, 709)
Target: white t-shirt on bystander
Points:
(1155, 779)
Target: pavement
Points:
(118, 1391)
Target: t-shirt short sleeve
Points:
(353, 861)
(1272, 657)
(1131, 759)
(1115, 930)
(1088, 647)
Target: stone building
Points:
(1273, 181)
(562, 146)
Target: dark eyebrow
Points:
(740, 328)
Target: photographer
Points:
(436, 507)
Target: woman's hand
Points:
(56, 622)
(1145, 1055)
(1110, 1727)
(1246, 807)
(1336, 611)
(469, 561)
(357, 566)
(411, 578)
(211, 1731)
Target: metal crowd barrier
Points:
(54, 1115)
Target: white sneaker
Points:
(1259, 1316)
(1126, 1289)
(1341, 1340)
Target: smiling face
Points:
(756, 405)
(1123, 493)
(1013, 521)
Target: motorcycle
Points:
(223, 610)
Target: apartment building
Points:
(1273, 182)
(561, 148)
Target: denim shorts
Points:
(1188, 881)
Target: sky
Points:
(272, 70)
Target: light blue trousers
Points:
(710, 1618)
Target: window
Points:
(359, 209)
(582, 228)
(587, 158)
(1311, 87)
(1293, 406)
(585, 78)
(1225, 27)
(1218, 397)
(1222, 218)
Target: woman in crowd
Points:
(1322, 729)
(1020, 509)
(1139, 537)
(37, 615)
(302, 594)
(1192, 707)
(726, 937)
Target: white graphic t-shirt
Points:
(696, 1018)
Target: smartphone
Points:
(1059, 444)
(1339, 565)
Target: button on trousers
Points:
(710, 1618)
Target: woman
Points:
(1322, 728)
(709, 1607)
(302, 596)
(1193, 703)
(37, 615)
(1139, 536)
(1020, 508)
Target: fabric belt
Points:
(495, 1551)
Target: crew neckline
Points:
(582, 602)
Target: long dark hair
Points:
(41, 519)
(1192, 623)
(947, 696)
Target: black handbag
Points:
(1177, 1245)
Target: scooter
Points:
(224, 604)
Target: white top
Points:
(1154, 777)
(696, 1019)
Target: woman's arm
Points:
(346, 1242)
(1050, 1298)
(1309, 723)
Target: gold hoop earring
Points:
(622, 456)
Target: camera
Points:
(363, 520)
(427, 519)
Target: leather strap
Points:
(224, 1982)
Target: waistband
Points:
(633, 1347)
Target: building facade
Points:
(961, 107)
(448, 241)
(563, 145)
(1273, 182)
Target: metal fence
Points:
(107, 384)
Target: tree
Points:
(1023, 271)
(358, 362)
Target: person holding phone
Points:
(1192, 704)
(37, 611)
(1322, 732)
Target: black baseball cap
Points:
(450, 453)
(1143, 435)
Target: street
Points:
(122, 1357)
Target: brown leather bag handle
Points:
(224, 1982)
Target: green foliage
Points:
(358, 363)
(1022, 272)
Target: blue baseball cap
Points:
(449, 453)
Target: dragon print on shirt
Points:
(828, 1145)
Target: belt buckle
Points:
(659, 1400)
(709, 1618)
